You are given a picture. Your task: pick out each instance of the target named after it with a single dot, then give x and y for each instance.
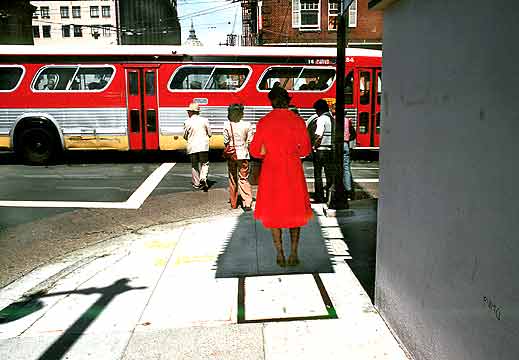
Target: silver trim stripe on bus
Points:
(171, 119)
(77, 121)
(113, 121)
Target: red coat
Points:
(282, 200)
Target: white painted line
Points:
(149, 185)
(134, 202)
(67, 204)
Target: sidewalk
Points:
(206, 289)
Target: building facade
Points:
(308, 22)
(66, 22)
(149, 22)
(105, 22)
(447, 274)
(15, 22)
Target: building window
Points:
(64, 12)
(36, 31)
(333, 11)
(306, 14)
(76, 12)
(78, 32)
(94, 31)
(105, 11)
(46, 31)
(44, 11)
(94, 11)
(35, 13)
(106, 31)
(65, 30)
(352, 14)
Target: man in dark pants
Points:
(197, 133)
(322, 148)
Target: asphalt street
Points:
(49, 211)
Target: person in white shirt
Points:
(197, 133)
(238, 133)
(322, 149)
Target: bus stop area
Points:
(205, 289)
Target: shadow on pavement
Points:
(249, 251)
(360, 235)
(20, 309)
(61, 346)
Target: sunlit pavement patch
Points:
(280, 298)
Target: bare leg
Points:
(278, 244)
(294, 242)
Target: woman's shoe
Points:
(280, 260)
(293, 260)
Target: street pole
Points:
(338, 199)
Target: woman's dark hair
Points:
(233, 108)
(278, 92)
(321, 105)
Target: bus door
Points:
(368, 105)
(142, 103)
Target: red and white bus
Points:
(134, 97)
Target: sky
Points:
(212, 19)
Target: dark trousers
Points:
(322, 159)
(199, 167)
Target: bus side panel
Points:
(86, 119)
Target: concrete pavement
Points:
(204, 289)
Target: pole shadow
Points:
(62, 345)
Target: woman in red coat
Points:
(282, 200)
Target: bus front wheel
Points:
(37, 146)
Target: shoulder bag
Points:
(229, 152)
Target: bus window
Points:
(91, 78)
(379, 86)
(363, 123)
(10, 77)
(365, 87)
(313, 79)
(282, 76)
(150, 83)
(298, 78)
(54, 78)
(227, 78)
(348, 89)
(191, 77)
(133, 83)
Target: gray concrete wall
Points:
(448, 244)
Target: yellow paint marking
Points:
(161, 262)
(157, 244)
(182, 260)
